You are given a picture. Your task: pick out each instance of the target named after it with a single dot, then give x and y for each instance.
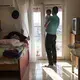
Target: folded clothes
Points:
(12, 53)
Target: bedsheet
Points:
(7, 60)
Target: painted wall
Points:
(8, 24)
(53, 1)
(37, 2)
(71, 10)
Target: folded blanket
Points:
(12, 53)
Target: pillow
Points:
(8, 41)
(17, 44)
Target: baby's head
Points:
(48, 11)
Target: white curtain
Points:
(32, 40)
(22, 6)
(25, 10)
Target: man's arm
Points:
(47, 23)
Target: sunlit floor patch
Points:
(52, 73)
(69, 69)
(64, 64)
(62, 71)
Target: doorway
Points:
(37, 15)
(59, 30)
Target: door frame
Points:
(43, 6)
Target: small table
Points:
(76, 52)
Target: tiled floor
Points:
(37, 71)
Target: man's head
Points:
(48, 11)
(55, 10)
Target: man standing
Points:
(50, 41)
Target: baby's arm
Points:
(46, 24)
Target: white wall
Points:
(8, 24)
(71, 9)
(53, 1)
(37, 2)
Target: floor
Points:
(37, 71)
(62, 71)
(10, 75)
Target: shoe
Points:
(54, 64)
(50, 66)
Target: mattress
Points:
(8, 60)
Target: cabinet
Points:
(75, 39)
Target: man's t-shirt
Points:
(53, 24)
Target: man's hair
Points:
(48, 10)
(55, 10)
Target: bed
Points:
(11, 62)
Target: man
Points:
(50, 41)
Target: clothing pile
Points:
(12, 53)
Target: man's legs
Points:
(48, 46)
(54, 49)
